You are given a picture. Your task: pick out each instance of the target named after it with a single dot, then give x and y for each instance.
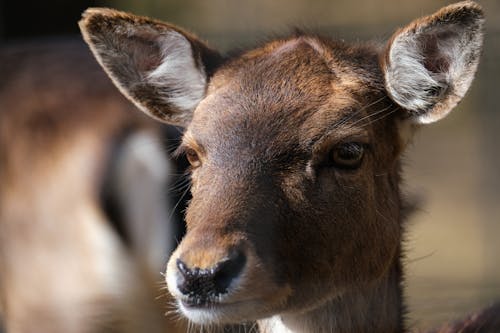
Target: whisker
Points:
(178, 203)
(369, 116)
(179, 185)
(421, 257)
(357, 112)
(372, 121)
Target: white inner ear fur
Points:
(178, 78)
(411, 84)
(408, 80)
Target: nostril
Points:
(227, 270)
(204, 283)
(188, 278)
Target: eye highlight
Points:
(347, 156)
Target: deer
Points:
(297, 215)
(69, 144)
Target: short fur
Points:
(321, 242)
(431, 65)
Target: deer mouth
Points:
(198, 302)
(216, 312)
(233, 308)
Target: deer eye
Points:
(193, 158)
(347, 155)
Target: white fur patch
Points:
(180, 81)
(273, 324)
(141, 183)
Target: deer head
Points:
(294, 150)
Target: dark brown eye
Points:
(347, 155)
(193, 158)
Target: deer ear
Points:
(429, 65)
(161, 68)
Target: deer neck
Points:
(377, 308)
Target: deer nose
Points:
(201, 285)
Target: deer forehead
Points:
(285, 93)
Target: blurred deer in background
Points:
(70, 145)
(297, 216)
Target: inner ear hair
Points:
(161, 68)
(429, 65)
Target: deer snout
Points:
(201, 286)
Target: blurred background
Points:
(453, 240)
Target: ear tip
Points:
(94, 18)
(95, 12)
(90, 17)
(465, 9)
(468, 5)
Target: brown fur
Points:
(321, 242)
(284, 197)
(62, 267)
(143, 95)
(433, 31)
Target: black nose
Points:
(200, 285)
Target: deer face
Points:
(285, 163)
(294, 150)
